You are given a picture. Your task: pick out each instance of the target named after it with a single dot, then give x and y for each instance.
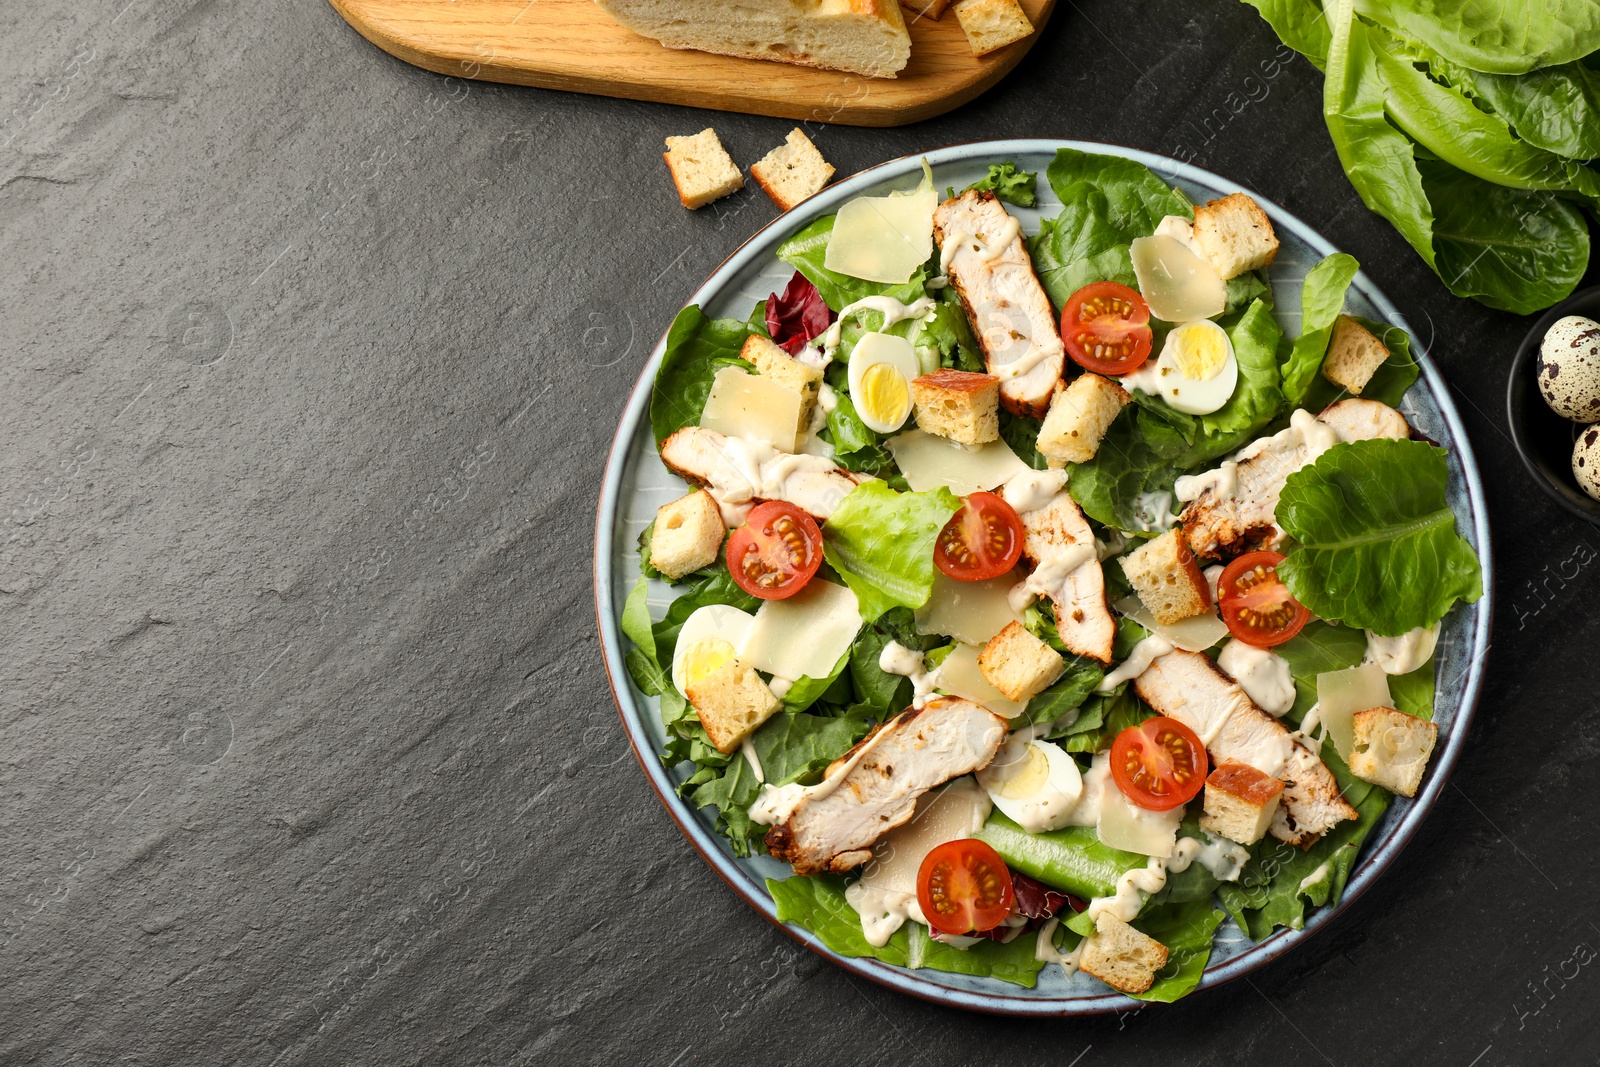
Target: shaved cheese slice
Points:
(1131, 828)
(1178, 285)
(754, 408)
(970, 612)
(959, 676)
(929, 461)
(956, 811)
(884, 238)
(804, 635)
(1194, 634)
(1340, 694)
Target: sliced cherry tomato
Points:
(981, 541)
(775, 553)
(1159, 764)
(964, 887)
(1105, 328)
(1256, 605)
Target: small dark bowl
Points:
(1543, 438)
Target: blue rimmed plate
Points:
(636, 484)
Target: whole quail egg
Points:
(1586, 461)
(1569, 368)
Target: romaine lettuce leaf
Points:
(697, 347)
(881, 543)
(1106, 202)
(1071, 859)
(1321, 302)
(1012, 961)
(1378, 548)
(1187, 930)
(817, 903)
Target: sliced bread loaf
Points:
(861, 36)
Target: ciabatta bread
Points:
(861, 36)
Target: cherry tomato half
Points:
(964, 887)
(775, 553)
(1105, 328)
(1159, 764)
(981, 541)
(1256, 605)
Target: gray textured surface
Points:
(310, 364)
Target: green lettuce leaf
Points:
(1495, 36)
(1071, 859)
(1321, 302)
(1378, 548)
(697, 347)
(818, 904)
(1187, 930)
(1013, 961)
(881, 543)
(1008, 183)
(1318, 649)
(1106, 202)
(1556, 109)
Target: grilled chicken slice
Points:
(1188, 687)
(1057, 537)
(987, 261)
(740, 473)
(1221, 525)
(911, 753)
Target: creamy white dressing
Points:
(1045, 951)
(1224, 859)
(882, 911)
(1318, 875)
(1111, 546)
(1152, 512)
(1307, 736)
(1213, 575)
(1050, 577)
(908, 663)
(1035, 355)
(1304, 430)
(1029, 490)
(1147, 379)
(1138, 661)
(777, 803)
(1223, 482)
(780, 686)
(892, 310)
(1261, 673)
(748, 748)
(1403, 654)
(1095, 780)
(996, 246)
(752, 470)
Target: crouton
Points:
(731, 701)
(701, 169)
(1078, 418)
(1122, 957)
(1167, 578)
(1354, 355)
(1236, 235)
(1240, 802)
(773, 362)
(992, 24)
(793, 172)
(959, 404)
(925, 9)
(687, 535)
(1018, 663)
(1391, 749)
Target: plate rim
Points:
(908, 981)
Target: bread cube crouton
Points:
(1240, 802)
(773, 362)
(1167, 578)
(701, 169)
(1018, 663)
(792, 172)
(1122, 957)
(687, 535)
(731, 701)
(1236, 235)
(959, 404)
(992, 24)
(925, 9)
(1354, 355)
(1078, 418)
(1391, 749)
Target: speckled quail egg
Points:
(1569, 368)
(1586, 461)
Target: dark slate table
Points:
(311, 361)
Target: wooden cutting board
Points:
(574, 45)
